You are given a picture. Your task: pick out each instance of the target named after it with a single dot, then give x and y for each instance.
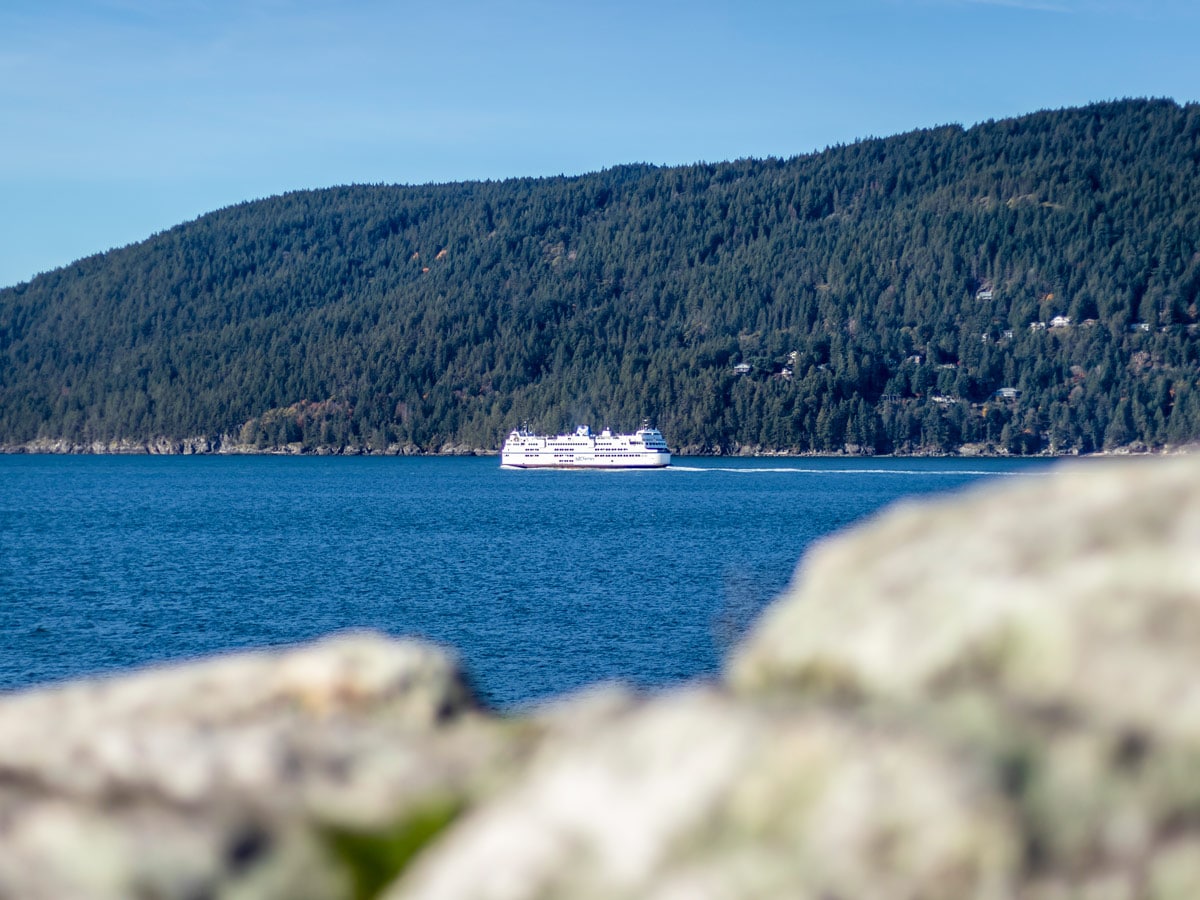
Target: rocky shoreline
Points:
(990, 695)
(227, 445)
(222, 445)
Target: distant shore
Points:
(226, 446)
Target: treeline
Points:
(877, 296)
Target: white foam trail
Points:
(792, 470)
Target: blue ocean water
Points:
(544, 581)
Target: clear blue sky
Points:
(119, 118)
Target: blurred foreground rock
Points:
(236, 777)
(989, 696)
(1051, 629)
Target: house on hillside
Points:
(1010, 394)
(1060, 322)
(742, 369)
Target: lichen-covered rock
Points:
(223, 778)
(1051, 626)
(695, 796)
(1080, 587)
(191, 732)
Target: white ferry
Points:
(644, 449)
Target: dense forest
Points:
(1024, 285)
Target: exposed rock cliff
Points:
(995, 695)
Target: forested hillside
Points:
(878, 295)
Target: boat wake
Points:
(797, 470)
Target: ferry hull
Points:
(524, 464)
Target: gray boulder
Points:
(694, 795)
(234, 777)
(1051, 628)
